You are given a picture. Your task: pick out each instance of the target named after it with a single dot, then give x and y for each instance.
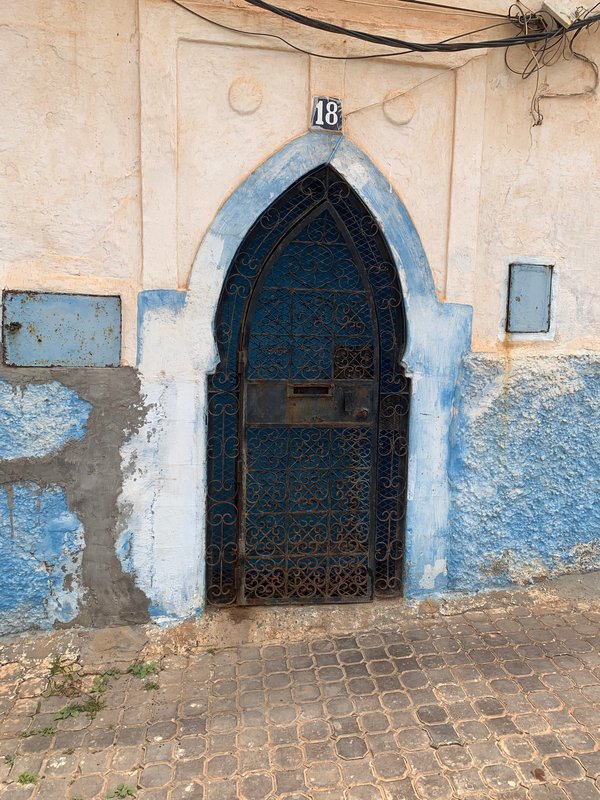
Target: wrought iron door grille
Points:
(308, 408)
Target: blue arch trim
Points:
(438, 334)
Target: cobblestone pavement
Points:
(498, 703)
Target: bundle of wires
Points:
(534, 28)
(545, 39)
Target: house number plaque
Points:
(326, 114)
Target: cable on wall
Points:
(538, 32)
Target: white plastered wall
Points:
(70, 213)
(83, 167)
(130, 123)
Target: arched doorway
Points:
(308, 407)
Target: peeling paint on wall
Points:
(524, 470)
(41, 550)
(61, 432)
(39, 419)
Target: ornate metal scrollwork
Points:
(301, 508)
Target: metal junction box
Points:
(45, 329)
(529, 298)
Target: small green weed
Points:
(38, 731)
(64, 680)
(101, 682)
(141, 670)
(150, 685)
(122, 790)
(211, 651)
(57, 667)
(91, 707)
(10, 760)
(72, 710)
(27, 777)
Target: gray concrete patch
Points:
(89, 472)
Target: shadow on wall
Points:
(524, 470)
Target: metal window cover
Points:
(529, 298)
(48, 329)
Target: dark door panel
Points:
(308, 408)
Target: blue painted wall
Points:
(39, 419)
(60, 479)
(41, 544)
(524, 470)
(41, 540)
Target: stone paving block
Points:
(467, 781)
(581, 790)
(189, 747)
(221, 766)
(357, 771)
(190, 770)
(288, 734)
(258, 786)
(253, 738)
(546, 791)
(288, 781)
(454, 757)
(433, 787)
(252, 760)
(547, 744)
(500, 777)
(351, 747)
(442, 734)
(221, 790)
(286, 757)
(47, 789)
(323, 775)
(345, 725)
(155, 752)
(389, 765)
(16, 792)
(371, 702)
(381, 742)
(412, 739)
(92, 786)
(318, 751)
(156, 776)
(315, 730)
(365, 791)
(591, 764)
(484, 753)
(501, 726)
(577, 740)
(531, 723)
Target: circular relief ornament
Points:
(399, 109)
(245, 95)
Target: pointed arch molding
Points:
(438, 336)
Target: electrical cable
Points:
(299, 49)
(420, 47)
(546, 44)
(442, 6)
